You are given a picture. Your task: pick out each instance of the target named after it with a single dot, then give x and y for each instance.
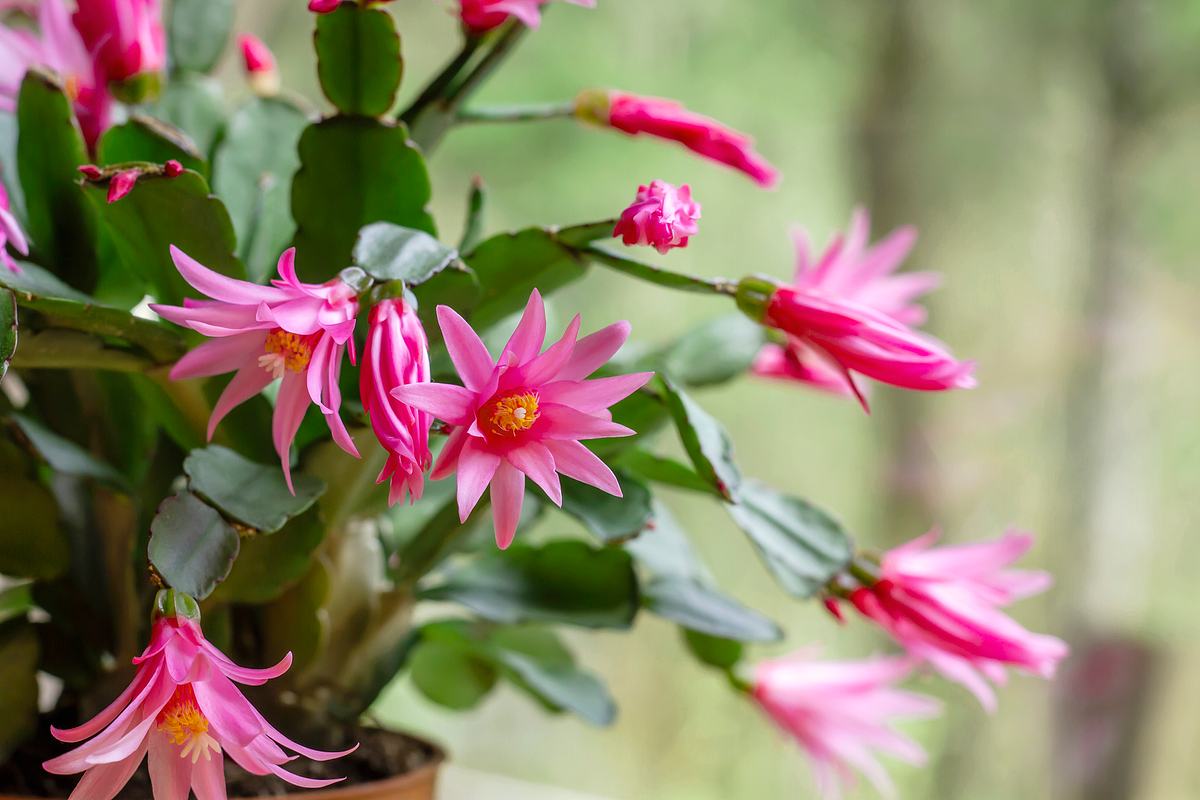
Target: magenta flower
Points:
(11, 234)
(126, 36)
(943, 605)
(841, 713)
(667, 119)
(184, 713)
(58, 47)
(484, 15)
(524, 413)
(259, 63)
(663, 217)
(397, 354)
(847, 313)
(325, 6)
(289, 330)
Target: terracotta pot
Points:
(420, 784)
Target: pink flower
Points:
(290, 330)
(667, 119)
(662, 216)
(184, 713)
(11, 234)
(943, 605)
(58, 47)
(847, 313)
(841, 712)
(126, 36)
(524, 413)
(397, 354)
(484, 15)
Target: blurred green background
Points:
(1049, 153)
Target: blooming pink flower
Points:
(840, 712)
(11, 234)
(290, 330)
(524, 413)
(662, 216)
(847, 313)
(668, 119)
(397, 354)
(184, 713)
(57, 46)
(484, 15)
(126, 36)
(943, 605)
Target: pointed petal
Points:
(476, 467)
(467, 351)
(103, 782)
(593, 351)
(219, 287)
(576, 461)
(249, 381)
(594, 395)
(448, 459)
(454, 404)
(535, 461)
(564, 422)
(290, 405)
(220, 355)
(208, 778)
(170, 774)
(526, 341)
(546, 367)
(508, 493)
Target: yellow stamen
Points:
(71, 87)
(515, 413)
(285, 351)
(186, 727)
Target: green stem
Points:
(518, 113)
(441, 83)
(504, 45)
(660, 276)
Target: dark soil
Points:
(381, 754)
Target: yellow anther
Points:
(285, 351)
(184, 725)
(514, 413)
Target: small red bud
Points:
(835, 610)
(122, 184)
(91, 172)
(172, 169)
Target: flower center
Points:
(72, 87)
(185, 725)
(514, 413)
(285, 351)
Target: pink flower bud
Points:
(397, 354)
(834, 608)
(125, 37)
(323, 6)
(122, 184)
(480, 16)
(662, 217)
(667, 119)
(172, 169)
(256, 56)
(91, 172)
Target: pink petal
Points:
(466, 349)
(103, 782)
(594, 395)
(249, 381)
(220, 355)
(246, 675)
(454, 404)
(170, 774)
(448, 459)
(535, 460)
(576, 461)
(564, 422)
(208, 778)
(97, 723)
(476, 467)
(508, 493)
(526, 341)
(593, 351)
(547, 365)
(228, 712)
(290, 405)
(219, 287)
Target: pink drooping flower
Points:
(847, 313)
(943, 604)
(841, 714)
(184, 713)
(289, 330)
(11, 234)
(397, 354)
(484, 15)
(56, 46)
(668, 119)
(663, 217)
(125, 36)
(524, 413)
